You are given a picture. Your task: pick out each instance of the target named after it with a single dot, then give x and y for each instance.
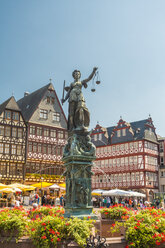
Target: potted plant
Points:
(45, 211)
(108, 217)
(54, 231)
(144, 229)
(12, 225)
(114, 212)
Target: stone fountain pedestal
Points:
(79, 154)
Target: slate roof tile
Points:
(28, 104)
(10, 104)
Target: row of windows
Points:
(9, 131)
(120, 132)
(45, 148)
(151, 176)
(40, 168)
(116, 148)
(46, 132)
(150, 145)
(119, 161)
(10, 149)
(55, 116)
(15, 169)
(12, 115)
(151, 160)
(125, 177)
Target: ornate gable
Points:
(149, 130)
(122, 132)
(99, 135)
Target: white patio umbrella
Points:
(54, 186)
(117, 192)
(98, 191)
(137, 194)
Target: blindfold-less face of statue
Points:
(76, 75)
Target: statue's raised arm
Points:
(84, 82)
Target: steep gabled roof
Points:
(138, 130)
(10, 104)
(29, 103)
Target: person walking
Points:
(61, 200)
(108, 202)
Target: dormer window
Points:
(124, 132)
(97, 136)
(118, 133)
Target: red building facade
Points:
(127, 156)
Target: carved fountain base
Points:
(78, 158)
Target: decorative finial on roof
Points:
(97, 122)
(149, 116)
(50, 80)
(120, 117)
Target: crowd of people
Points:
(34, 199)
(44, 200)
(108, 201)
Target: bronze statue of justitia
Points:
(78, 114)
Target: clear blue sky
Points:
(42, 39)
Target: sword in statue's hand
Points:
(62, 100)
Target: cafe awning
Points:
(41, 185)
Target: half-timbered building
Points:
(127, 156)
(12, 142)
(46, 131)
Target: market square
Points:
(82, 155)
